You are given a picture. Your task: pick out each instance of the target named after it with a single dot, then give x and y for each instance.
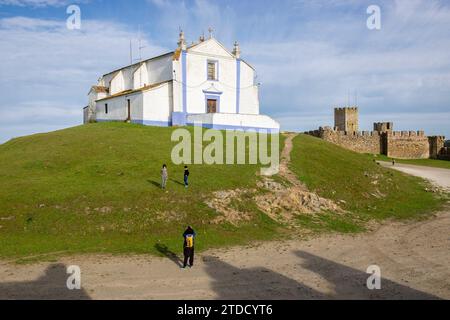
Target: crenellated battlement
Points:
(383, 126)
(345, 133)
(382, 140)
(407, 133)
(346, 109)
(358, 133)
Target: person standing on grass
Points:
(164, 176)
(188, 247)
(186, 176)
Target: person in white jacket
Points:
(164, 176)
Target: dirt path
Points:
(286, 159)
(414, 259)
(282, 202)
(438, 176)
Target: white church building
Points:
(199, 84)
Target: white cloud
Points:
(308, 55)
(404, 68)
(16, 23)
(196, 17)
(47, 70)
(39, 3)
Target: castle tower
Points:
(383, 126)
(436, 143)
(346, 119)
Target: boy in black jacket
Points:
(188, 246)
(186, 176)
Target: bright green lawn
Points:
(54, 187)
(95, 188)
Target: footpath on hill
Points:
(413, 259)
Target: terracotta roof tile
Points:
(100, 89)
(122, 93)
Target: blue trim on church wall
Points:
(238, 84)
(179, 118)
(184, 79)
(237, 128)
(155, 123)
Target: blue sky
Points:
(310, 56)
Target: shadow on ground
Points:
(350, 283)
(230, 282)
(177, 182)
(51, 286)
(154, 183)
(164, 250)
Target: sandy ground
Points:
(414, 259)
(438, 176)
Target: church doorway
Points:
(211, 106)
(128, 110)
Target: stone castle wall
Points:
(383, 126)
(382, 140)
(359, 141)
(444, 153)
(437, 144)
(395, 144)
(407, 145)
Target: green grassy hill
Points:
(358, 184)
(95, 188)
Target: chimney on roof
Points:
(182, 41)
(236, 50)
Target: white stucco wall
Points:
(160, 69)
(128, 78)
(158, 104)
(177, 85)
(93, 97)
(117, 83)
(197, 79)
(233, 121)
(154, 104)
(197, 83)
(197, 58)
(118, 108)
(140, 76)
(249, 100)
